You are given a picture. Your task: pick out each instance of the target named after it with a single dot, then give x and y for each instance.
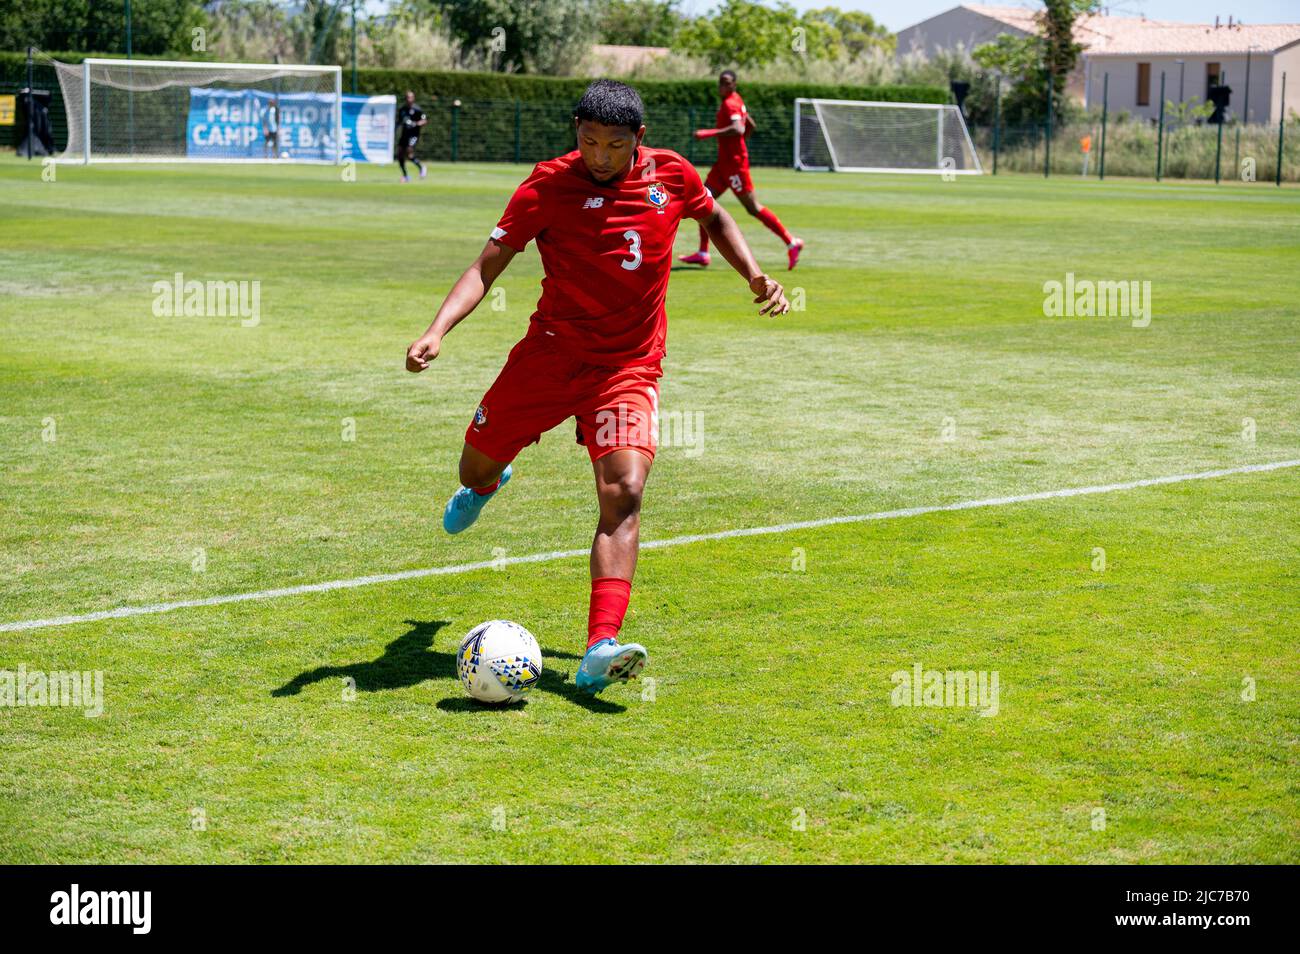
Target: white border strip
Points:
(125, 611)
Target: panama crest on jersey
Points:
(480, 416)
(657, 195)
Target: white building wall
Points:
(1287, 61)
(1123, 70)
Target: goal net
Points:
(166, 111)
(850, 136)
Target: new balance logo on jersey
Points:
(594, 203)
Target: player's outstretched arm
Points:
(463, 298)
(726, 235)
(737, 128)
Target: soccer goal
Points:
(173, 111)
(849, 136)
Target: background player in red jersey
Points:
(731, 171)
(604, 217)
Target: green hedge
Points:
(484, 126)
(509, 117)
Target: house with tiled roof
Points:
(1136, 52)
(1191, 57)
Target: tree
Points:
(742, 33)
(249, 31)
(317, 29)
(639, 22)
(1019, 60)
(853, 32)
(548, 37)
(158, 27)
(1056, 27)
(1028, 63)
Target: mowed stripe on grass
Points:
(504, 561)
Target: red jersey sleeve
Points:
(524, 216)
(735, 107)
(696, 200)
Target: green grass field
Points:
(149, 459)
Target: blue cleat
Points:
(464, 506)
(608, 661)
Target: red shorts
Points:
(541, 385)
(728, 175)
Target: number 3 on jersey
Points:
(634, 249)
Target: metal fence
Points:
(1252, 153)
(1163, 148)
(515, 131)
(518, 131)
(511, 130)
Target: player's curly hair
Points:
(611, 103)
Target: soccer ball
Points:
(499, 661)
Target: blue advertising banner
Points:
(368, 127)
(256, 124)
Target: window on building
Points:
(1144, 84)
(1212, 78)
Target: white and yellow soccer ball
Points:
(499, 661)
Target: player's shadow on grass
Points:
(406, 662)
(411, 659)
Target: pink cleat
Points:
(696, 258)
(793, 250)
(406, 178)
(424, 171)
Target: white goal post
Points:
(122, 110)
(844, 135)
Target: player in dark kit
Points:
(604, 217)
(410, 120)
(731, 171)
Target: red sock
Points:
(768, 218)
(484, 491)
(609, 599)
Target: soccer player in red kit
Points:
(604, 217)
(732, 169)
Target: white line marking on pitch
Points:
(124, 611)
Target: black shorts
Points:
(407, 141)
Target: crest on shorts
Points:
(480, 416)
(657, 195)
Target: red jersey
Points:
(607, 249)
(732, 150)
